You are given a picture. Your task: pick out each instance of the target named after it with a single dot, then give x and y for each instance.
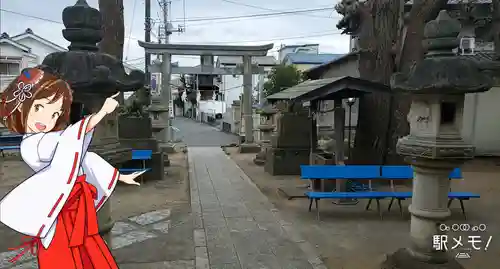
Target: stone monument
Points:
(158, 113)
(93, 76)
(434, 146)
(266, 129)
(290, 143)
(236, 110)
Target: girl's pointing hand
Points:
(110, 104)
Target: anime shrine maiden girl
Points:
(57, 205)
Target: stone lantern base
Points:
(402, 259)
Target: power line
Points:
(270, 9)
(317, 34)
(257, 15)
(202, 19)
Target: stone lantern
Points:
(93, 76)
(434, 146)
(266, 128)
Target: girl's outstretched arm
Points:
(94, 120)
(108, 107)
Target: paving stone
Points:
(250, 242)
(260, 261)
(151, 217)
(214, 221)
(130, 238)
(217, 233)
(201, 255)
(211, 207)
(162, 227)
(199, 238)
(197, 221)
(241, 224)
(221, 253)
(122, 227)
(225, 266)
(209, 200)
(161, 265)
(6, 256)
(33, 264)
(235, 211)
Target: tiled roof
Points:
(234, 60)
(296, 46)
(309, 58)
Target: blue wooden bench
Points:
(142, 155)
(10, 142)
(344, 172)
(406, 173)
(360, 172)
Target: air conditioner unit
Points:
(467, 45)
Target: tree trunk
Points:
(378, 33)
(382, 119)
(412, 52)
(113, 28)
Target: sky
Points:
(202, 22)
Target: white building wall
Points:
(481, 122)
(10, 51)
(39, 49)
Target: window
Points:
(9, 68)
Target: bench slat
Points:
(340, 171)
(9, 147)
(406, 172)
(380, 195)
(142, 154)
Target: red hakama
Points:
(76, 243)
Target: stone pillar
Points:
(236, 109)
(249, 146)
(247, 99)
(166, 68)
(429, 206)
(339, 127)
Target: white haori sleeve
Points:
(33, 206)
(102, 175)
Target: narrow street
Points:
(195, 134)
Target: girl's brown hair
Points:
(14, 109)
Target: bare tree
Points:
(387, 43)
(113, 27)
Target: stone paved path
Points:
(235, 224)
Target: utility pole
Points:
(147, 38)
(166, 92)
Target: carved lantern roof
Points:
(442, 71)
(83, 66)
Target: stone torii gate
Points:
(247, 52)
